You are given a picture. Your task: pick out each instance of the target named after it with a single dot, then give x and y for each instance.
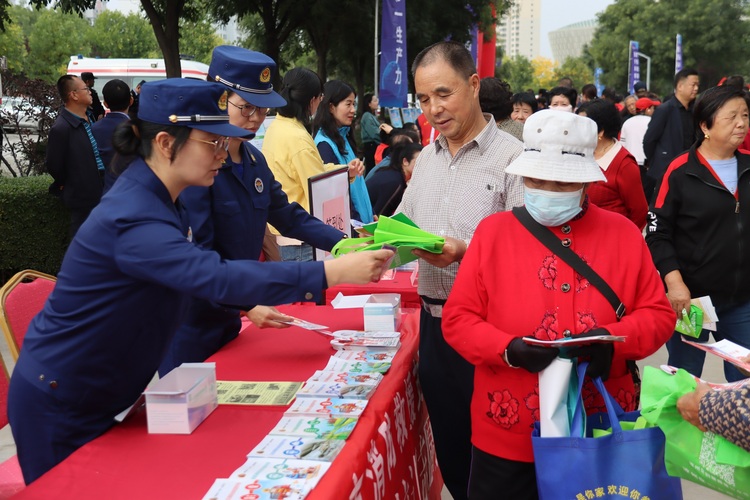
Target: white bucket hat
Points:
(558, 146)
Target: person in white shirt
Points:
(633, 131)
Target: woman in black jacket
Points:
(699, 226)
(387, 185)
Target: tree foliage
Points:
(518, 72)
(713, 33)
(118, 35)
(575, 69)
(55, 37)
(198, 40)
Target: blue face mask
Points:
(552, 208)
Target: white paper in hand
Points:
(553, 398)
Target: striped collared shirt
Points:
(450, 195)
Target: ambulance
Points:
(131, 71)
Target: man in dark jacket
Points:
(117, 98)
(73, 158)
(671, 130)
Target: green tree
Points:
(10, 47)
(199, 40)
(118, 35)
(655, 24)
(518, 72)
(576, 69)
(56, 36)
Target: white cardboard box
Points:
(180, 401)
(383, 312)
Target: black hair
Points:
(298, 87)
(365, 104)
(605, 115)
(116, 95)
(397, 133)
(709, 103)
(335, 91)
(134, 137)
(65, 86)
(589, 91)
(683, 74)
(494, 98)
(454, 53)
(735, 81)
(411, 126)
(525, 98)
(609, 93)
(399, 152)
(565, 81)
(569, 93)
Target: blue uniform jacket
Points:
(230, 217)
(121, 294)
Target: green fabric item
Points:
(704, 458)
(692, 323)
(397, 231)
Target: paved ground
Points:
(713, 372)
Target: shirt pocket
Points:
(227, 207)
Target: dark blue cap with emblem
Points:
(247, 73)
(188, 103)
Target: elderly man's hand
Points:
(453, 251)
(689, 405)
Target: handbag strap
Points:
(548, 239)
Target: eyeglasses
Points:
(248, 110)
(219, 145)
(87, 89)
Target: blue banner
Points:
(678, 54)
(393, 71)
(634, 71)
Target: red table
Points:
(389, 455)
(400, 284)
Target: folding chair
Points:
(21, 299)
(11, 479)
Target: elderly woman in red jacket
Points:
(511, 286)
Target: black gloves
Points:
(599, 355)
(530, 357)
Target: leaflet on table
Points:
(281, 468)
(725, 349)
(368, 357)
(723, 386)
(315, 427)
(345, 365)
(570, 341)
(260, 489)
(359, 334)
(346, 377)
(366, 345)
(324, 450)
(326, 407)
(233, 392)
(336, 390)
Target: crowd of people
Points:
(161, 267)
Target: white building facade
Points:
(519, 32)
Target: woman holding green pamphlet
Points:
(512, 285)
(699, 226)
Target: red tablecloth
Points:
(400, 284)
(389, 455)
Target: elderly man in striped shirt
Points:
(458, 180)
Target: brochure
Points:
(346, 377)
(723, 386)
(315, 427)
(367, 357)
(256, 393)
(726, 350)
(336, 390)
(324, 450)
(326, 407)
(571, 341)
(366, 344)
(345, 365)
(280, 468)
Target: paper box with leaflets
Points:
(181, 400)
(383, 312)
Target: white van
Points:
(131, 71)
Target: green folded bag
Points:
(397, 231)
(692, 323)
(701, 457)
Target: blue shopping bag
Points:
(621, 464)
